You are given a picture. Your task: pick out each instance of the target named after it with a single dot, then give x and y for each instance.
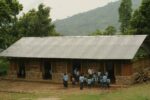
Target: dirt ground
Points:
(56, 90)
(30, 87)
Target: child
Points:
(73, 81)
(81, 79)
(89, 82)
(65, 80)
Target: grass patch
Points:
(82, 97)
(141, 92)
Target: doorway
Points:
(76, 70)
(76, 66)
(47, 71)
(21, 70)
(110, 70)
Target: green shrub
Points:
(3, 66)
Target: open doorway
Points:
(76, 66)
(110, 70)
(76, 70)
(47, 70)
(21, 70)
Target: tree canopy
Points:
(33, 23)
(140, 22)
(36, 23)
(97, 32)
(9, 9)
(125, 13)
(110, 30)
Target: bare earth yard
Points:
(17, 90)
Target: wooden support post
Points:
(66, 65)
(104, 66)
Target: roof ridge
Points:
(84, 36)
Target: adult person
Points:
(65, 80)
(98, 73)
(90, 71)
(81, 79)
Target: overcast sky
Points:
(64, 8)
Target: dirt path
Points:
(42, 99)
(48, 99)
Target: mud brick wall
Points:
(33, 70)
(12, 71)
(58, 70)
(140, 64)
(123, 80)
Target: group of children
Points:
(89, 80)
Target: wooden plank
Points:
(126, 70)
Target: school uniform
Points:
(89, 82)
(65, 80)
(104, 80)
(81, 79)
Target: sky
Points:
(61, 9)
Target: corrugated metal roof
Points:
(77, 47)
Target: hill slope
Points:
(87, 22)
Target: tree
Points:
(9, 9)
(140, 22)
(36, 23)
(125, 11)
(97, 32)
(110, 30)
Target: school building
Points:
(47, 58)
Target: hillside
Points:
(87, 22)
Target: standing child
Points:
(65, 80)
(81, 79)
(104, 81)
(73, 80)
(89, 81)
